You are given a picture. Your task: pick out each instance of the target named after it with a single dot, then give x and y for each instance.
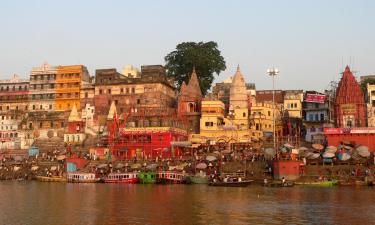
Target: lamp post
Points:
(273, 72)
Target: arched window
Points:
(191, 107)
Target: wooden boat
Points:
(279, 184)
(238, 183)
(168, 177)
(327, 183)
(51, 179)
(130, 177)
(198, 179)
(80, 177)
(230, 182)
(147, 177)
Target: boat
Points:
(129, 177)
(51, 179)
(279, 184)
(198, 178)
(80, 177)
(168, 177)
(147, 177)
(230, 182)
(326, 183)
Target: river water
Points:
(60, 203)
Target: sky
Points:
(310, 42)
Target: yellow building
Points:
(214, 126)
(293, 103)
(370, 105)
(262, 119)
(67, 86)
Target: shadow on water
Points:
(57, 203)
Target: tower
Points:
(189, 102)
(239, 105)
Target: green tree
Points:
(205, 57)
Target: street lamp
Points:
(273, 72)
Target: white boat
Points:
(80, 177)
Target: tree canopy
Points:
(204, 56)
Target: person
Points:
(283, 180)
(265, 181)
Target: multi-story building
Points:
(370, 105)
(68, 86)
(293, 103)
(13, 105)
(87, 94)
(149, 98)
(235, 127)
(262, 120)
(42, 88)
(317, 114)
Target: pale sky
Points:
(308, 41)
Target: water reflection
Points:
(54, 203)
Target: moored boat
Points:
(168, 177)
(130, 177)
(51, 179)
(80, 177)
(230, 182)
(326, 183)
(147, 177)
(198, 179)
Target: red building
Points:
(149, 142)
(289, 169)
(350, 107)
(356, 136)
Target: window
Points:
(209, 124)
(41, 106)
(122, 90)
(7, 107)
(100, 91)
(316, 117)
(133, 90)
(269, 113)
(322, 117)
(50, 106)
(40, 124)
(311, 117)
(244, 114)
(127, 90)
(295, 105)
(109, 91)
(138, 101)
(116, 102)
(33, 107)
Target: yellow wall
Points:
(67, 86)
(220, 128)
(262, 118)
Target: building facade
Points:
(42, 88)
(68, 86)
(317, 114)
(13, 107)
(370, 105)
(350, 107)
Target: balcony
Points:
(67, 90)
(68, 80)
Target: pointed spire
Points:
(347, 68)
(74, 115)
(193, 87)
(183, 88)
(112, 111)
(238, 68)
